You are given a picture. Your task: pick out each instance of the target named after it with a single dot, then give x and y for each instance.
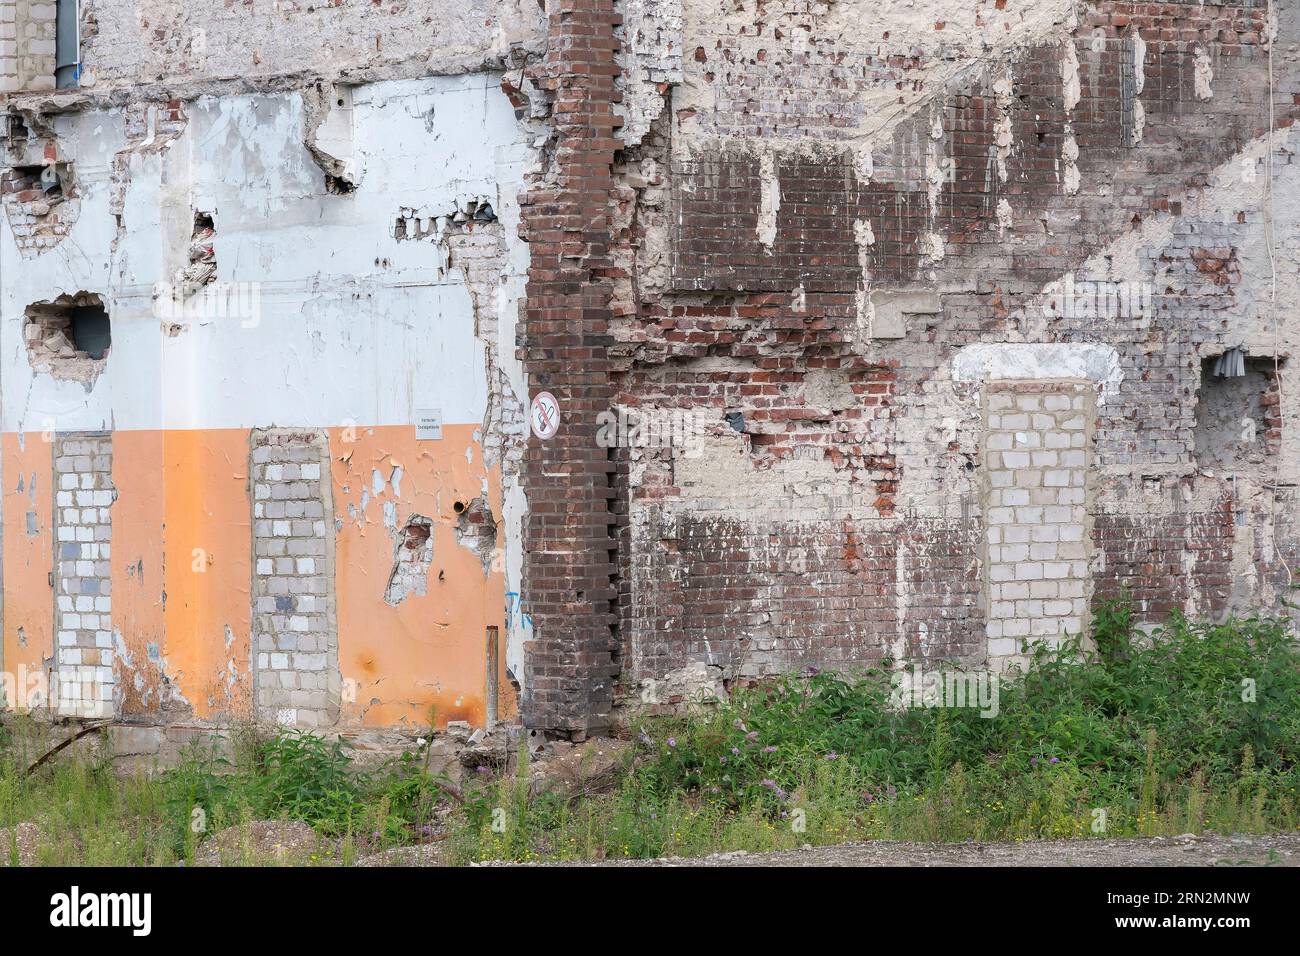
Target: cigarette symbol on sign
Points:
(545, 415)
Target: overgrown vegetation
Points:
(103, 818)
(1193, 728)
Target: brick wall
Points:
(27, 45)
(564, 336)
(1038, 541)
(295, 629)
(84, 649)
(778, 241)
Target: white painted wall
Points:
(350, 324)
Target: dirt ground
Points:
(1208, 850)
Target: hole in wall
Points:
(202, 267)
(417, 223)
(476, 529)
(69, 337)
(1238, 420)
(414, 554)
(338, 186)
(39, 201)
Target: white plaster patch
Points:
(1013, 361)
(1004, 214)
(1070, 162)
(1139, 62)
(1203, 74)
(1070, 74)
(932, 246)
(769, 201)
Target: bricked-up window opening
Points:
(1238, 417)
(70, 337)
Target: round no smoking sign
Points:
(545, 415)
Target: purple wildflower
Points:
(772, 785)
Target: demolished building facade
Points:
(879, 333)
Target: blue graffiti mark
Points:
(515, 614)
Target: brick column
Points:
(568, 589)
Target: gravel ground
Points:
(1282, 849)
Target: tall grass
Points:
(1193, 728)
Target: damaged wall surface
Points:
(880, 332)
(216, 500)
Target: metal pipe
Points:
(67, 45)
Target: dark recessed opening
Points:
(64, 334)
(338, 186)
(89, 331)
(1238, 418)
(458, 507)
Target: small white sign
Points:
(545, 415)
(428, 424)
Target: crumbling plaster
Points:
(821, 107)
(316, 318)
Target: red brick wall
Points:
(568, 587)
(885, 559)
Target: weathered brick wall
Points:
(175, 40)
(821, 232)
(781, 217)
(564, 338)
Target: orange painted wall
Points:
(181, 566)
(430, 651)
(182, 562)
(28, 558)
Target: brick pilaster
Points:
(568, 589)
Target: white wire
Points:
(1271, 38)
